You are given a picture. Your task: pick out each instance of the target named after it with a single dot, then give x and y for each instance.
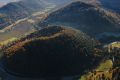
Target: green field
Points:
(103, 68)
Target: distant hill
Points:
(59, 2)
(113, 5)
(86, 17)
(18, 10)
(108, 37)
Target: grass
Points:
(103, 68)
(8, 41)
(116, 44)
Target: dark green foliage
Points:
(60, 55)
(49, 31)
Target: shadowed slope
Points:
(58, 52)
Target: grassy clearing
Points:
(103, 69)
(116, 44)
(105, 66)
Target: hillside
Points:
(60, 40)
(18, 10)
(88, 18)
(59, 52)
(113, 5)
(59, 2)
